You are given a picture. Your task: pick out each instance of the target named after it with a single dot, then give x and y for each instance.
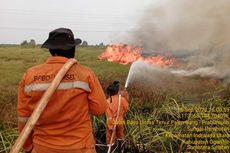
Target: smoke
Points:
(197, 31)
(203, 72)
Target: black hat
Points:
(113, 88)
(61, 38)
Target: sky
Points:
(95, 21)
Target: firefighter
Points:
(111, 113)
(65, 125)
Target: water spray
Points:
(129, 74)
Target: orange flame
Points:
(127, 54)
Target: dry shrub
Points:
(184, 89)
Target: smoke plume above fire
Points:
(196, 31)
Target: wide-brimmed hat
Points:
(61, 38)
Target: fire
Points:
(127, 54)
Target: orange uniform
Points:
(65, 123)
(111, 114)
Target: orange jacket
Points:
(65, 122)
(111, 111)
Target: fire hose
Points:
(115, 124)
(41, 106)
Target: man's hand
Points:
(124, 93)
(109, 123)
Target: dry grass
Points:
(8, 99)
(149, 101)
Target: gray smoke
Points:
(196, 31)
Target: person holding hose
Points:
(65, 125)
(112, 114)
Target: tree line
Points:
(32, 44)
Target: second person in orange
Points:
(112, 113)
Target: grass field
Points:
(147, 105)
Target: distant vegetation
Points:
(84, 44)
(30, 44)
